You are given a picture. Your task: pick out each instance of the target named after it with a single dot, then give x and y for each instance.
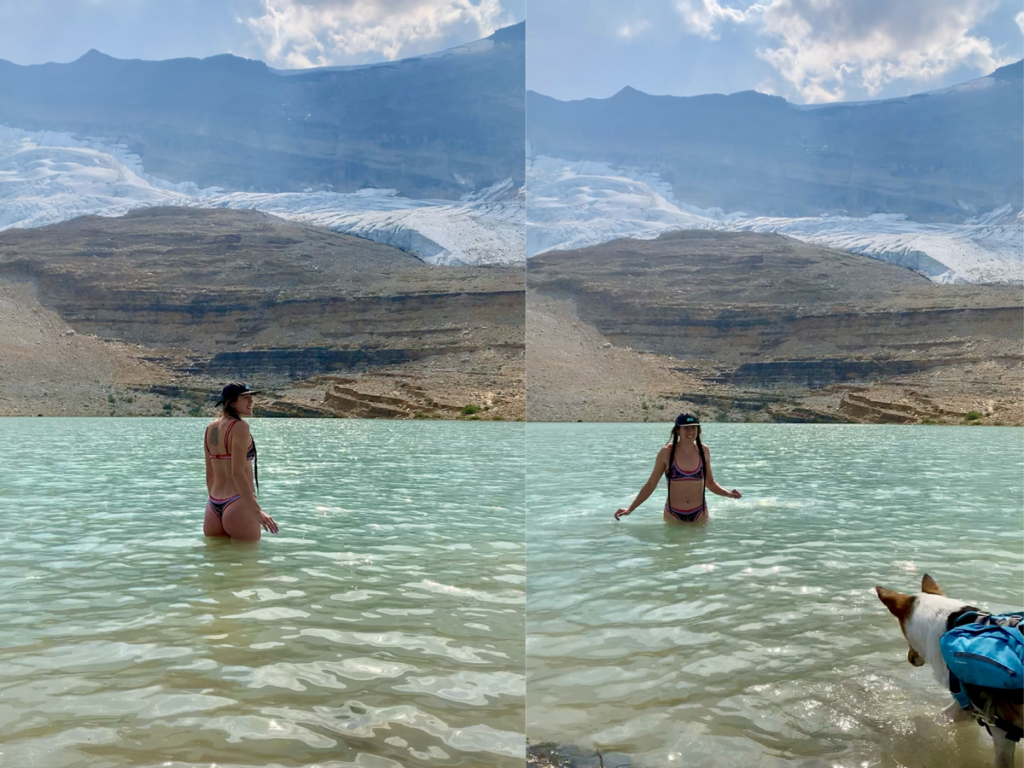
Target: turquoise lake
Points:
(757, 640)
(382, 627)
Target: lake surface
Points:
(382, 627)
(757, 640)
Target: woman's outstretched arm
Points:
(709, 479)
(660, 467)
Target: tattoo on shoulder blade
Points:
(214, 435)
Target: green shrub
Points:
(469, 410)
(972, 416)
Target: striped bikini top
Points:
(250, 454)
(676, 473)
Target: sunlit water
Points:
(757, 640)
(382, 627)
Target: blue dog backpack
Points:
(985, 651)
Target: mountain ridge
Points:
(941, 156)
(431, 127)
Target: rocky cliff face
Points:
(761, 319)
(220, 294)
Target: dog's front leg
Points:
(954, 713)
(1004, 748)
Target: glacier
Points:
(574, 204)
(47, 177)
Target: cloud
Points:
(822, 47)
(1019, 18)
(704, 17)
(311, 33)
(629, 31)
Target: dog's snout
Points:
(915, 658)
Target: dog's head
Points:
(922, 619)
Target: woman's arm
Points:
(240, 438)
(709, 479)
(660, 466)
(209, 472)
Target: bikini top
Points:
(250, 454)
(676, 473)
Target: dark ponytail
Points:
(255, 467)
(672, 453)
(703, 474)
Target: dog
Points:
(923, 619)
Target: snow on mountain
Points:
(439, 232)
(573, 204)
(48, 177)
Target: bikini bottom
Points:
(219, 505)
(686, 515)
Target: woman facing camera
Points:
(232, 477)
(686, 464)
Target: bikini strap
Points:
(227, 436)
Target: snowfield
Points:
(573, 204)
(48, 177)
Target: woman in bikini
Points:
(231, 475)
(687, 466)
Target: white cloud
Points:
(704, 17)
(1019, 18)
(310, 33)
(822, 47)
(629, 31)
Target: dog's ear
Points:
(929, 586)
(899, 605)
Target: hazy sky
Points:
(284, 33)
(805, 50)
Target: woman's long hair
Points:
(231, 411)
(704, 464)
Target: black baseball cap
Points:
(233, 391)
(687, 420)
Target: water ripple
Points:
(382, 628)
(757, 639)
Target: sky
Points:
(288, 34)
(809, 51)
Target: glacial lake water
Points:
(382, 627)
(757, 639)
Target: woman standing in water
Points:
(231, 474)
(686, 501)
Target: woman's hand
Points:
(735, 494)
(267, 522)
(622, 513)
